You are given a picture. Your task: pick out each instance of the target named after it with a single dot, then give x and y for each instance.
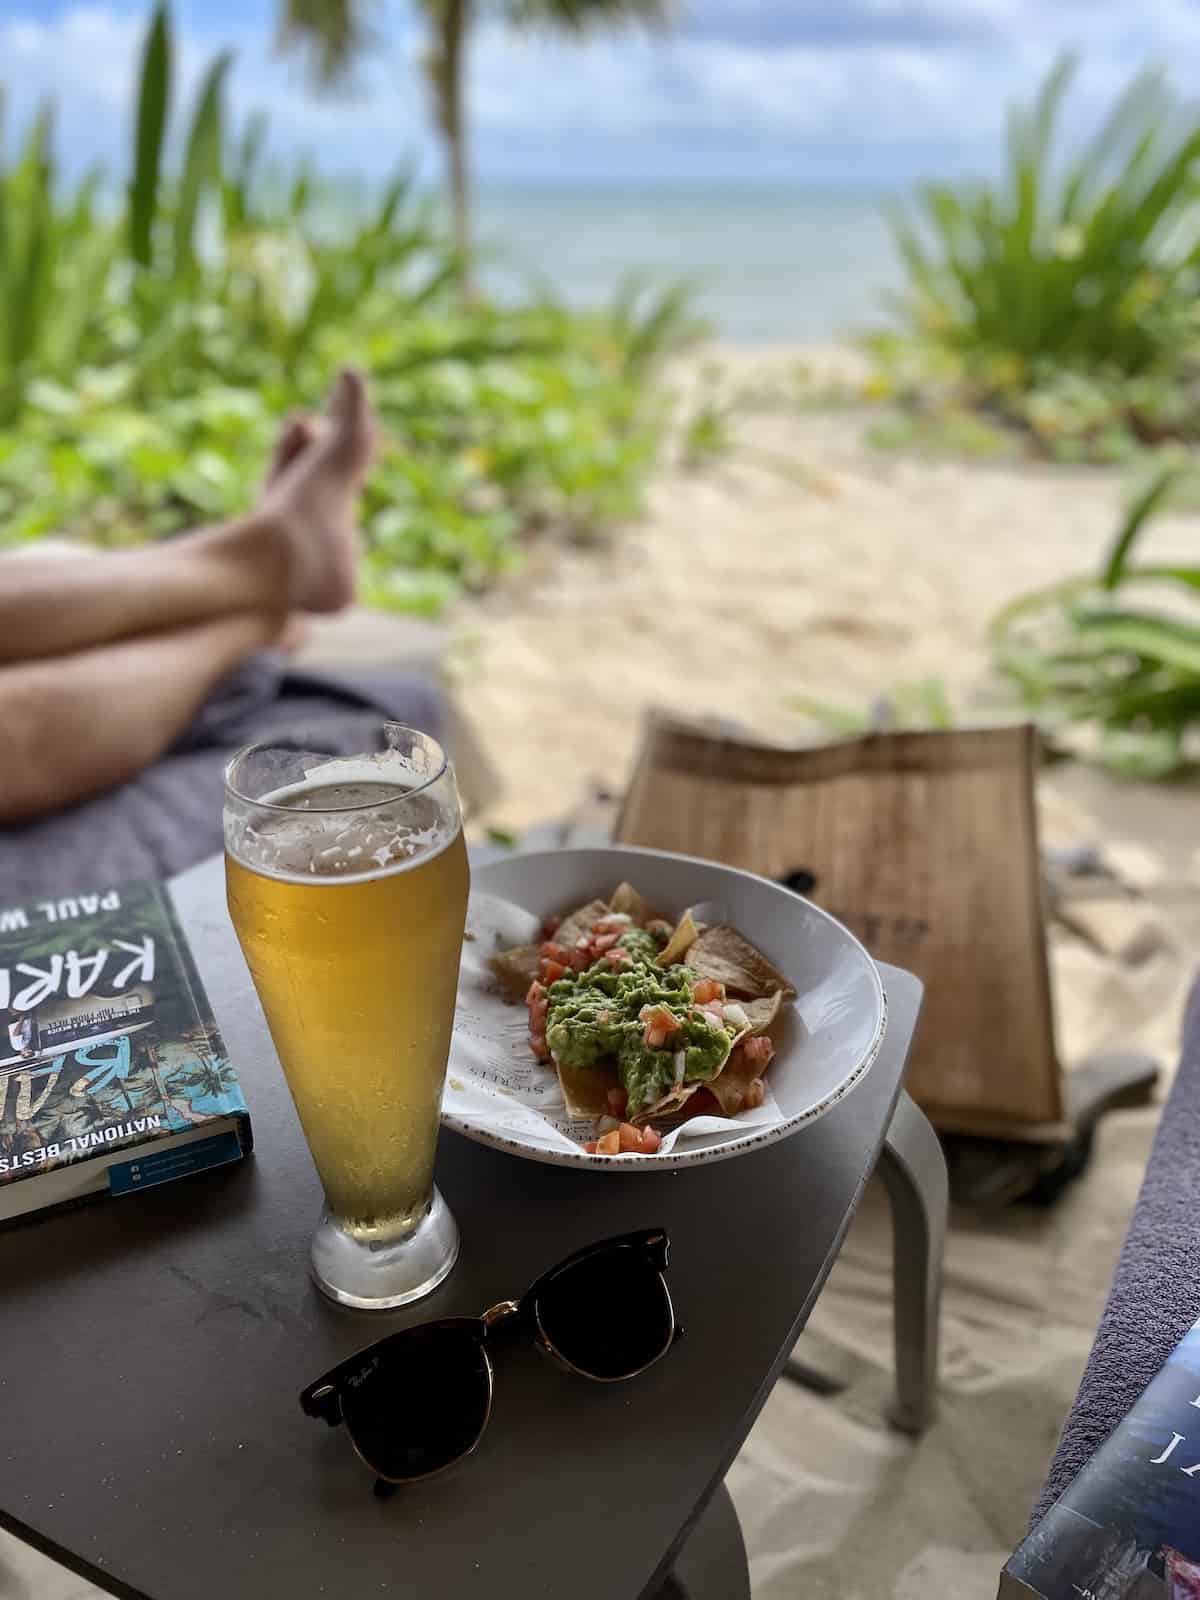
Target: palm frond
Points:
(587, 16)
(331, 34)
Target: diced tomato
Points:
(603, 941)
(580, 959)
(651, 1139)
(537, 1043)
(590, 1147)
(618, 1100)
(550, 927)
(708, 989)
(661, 1022)
(535, 992)
(552, 971)
(618, 956)
(553, 952)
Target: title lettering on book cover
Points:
(26, 986)
(1170, 1452)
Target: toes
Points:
(348, 436)
(352, 438)
(348, 398)
(295, 436)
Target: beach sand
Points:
(805, 564)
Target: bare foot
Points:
(310, 497)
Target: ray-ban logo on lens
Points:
(362, 1374)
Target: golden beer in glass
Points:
(347, 885)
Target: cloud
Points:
(834, 88)
(934, 24)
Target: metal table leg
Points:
(712, 1564)
(914, 1173)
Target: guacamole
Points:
(641, 944)
(594, 1017)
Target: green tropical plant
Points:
(1064, 296)
(154, 331)
(337, 32)
(1090, 651)
(55, 253)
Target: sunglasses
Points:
(419, 1400)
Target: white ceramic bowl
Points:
(825, 1039)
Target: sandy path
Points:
(744, 587)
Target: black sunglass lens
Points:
(609, 1315)
(423, 1405)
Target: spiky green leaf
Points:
(202, 161)
(153, 97)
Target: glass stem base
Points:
(380, 1277)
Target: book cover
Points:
(112, 1072)
(1128, 1527)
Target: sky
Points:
(844, 93)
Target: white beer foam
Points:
(386, 816)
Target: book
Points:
(1128, 1526)
(113, 1075)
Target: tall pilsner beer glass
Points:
(347, 883)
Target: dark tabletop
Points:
(154, 1348)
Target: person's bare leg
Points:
(293, 552)
(75, 726)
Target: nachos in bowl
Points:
(642, 1018)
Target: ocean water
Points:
(769, 264)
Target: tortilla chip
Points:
(723, 954)
(669, 1106)
(762, 1013)
(681, 941)
(516, 969)
(573, 926)
(585, 1089)
(626, 901)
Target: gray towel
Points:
(169, 817)
(1155, 1296)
